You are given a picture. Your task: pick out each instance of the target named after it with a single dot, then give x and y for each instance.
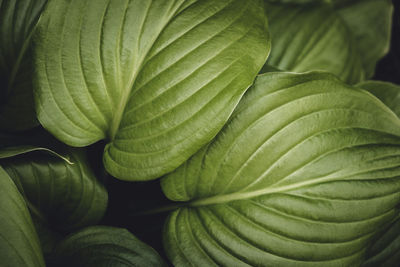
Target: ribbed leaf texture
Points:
(388, 93)
(99, 246)
(305, 173)
(18, 19)
(344, 37)
(157, 79)
(19, 244)
(62, 195)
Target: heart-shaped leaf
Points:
(100, 246)
(346, 38)
(157, 79)
(19, 244)
(18, 19)
(304, 174)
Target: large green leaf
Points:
(62, 195)
(306, 171)
(19, 244)
(385, 252)
(18, 19)
(100, 246)
(387, 92)
(346, 38)
(157, 79)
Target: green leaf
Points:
(18, 19)
(99, 246)
(19, 244)
(62, 195)
(385, 251)
(387, 92)
(156, 79)
(306, 171)
(346, 38)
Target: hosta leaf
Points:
(304, 174)
(385, 251)
(387, 92)
(99, 246)
(157, 79)
(64, 195)
(346, 38)
(19, 244)
(18, 19)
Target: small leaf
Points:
(305, 173)
(156, 79)
(64, 195)
(19, 244)
(100, 246)
(18, 19)
(346, 38)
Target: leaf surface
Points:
(385, 251)
(19, 244)
(105, 246)
(280, 184)
(18, 19)
(62, 194)
(157, 79)
(346, 38)
(388, 93)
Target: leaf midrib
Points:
(116, 120)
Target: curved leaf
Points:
(99, 246)
(60, 194)
(385, 251)
(387, 92)
(346, 38)
(158, 79)
(280, 184)
(19, 244)
(18, 19)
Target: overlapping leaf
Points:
(62, 193)
(304, 174)
(385, 250)
(105, 246)
(18, 19)
(19, 244)
(158, 79)
(387, 92)
(346, 38)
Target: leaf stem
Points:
(159, 210)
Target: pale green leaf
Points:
(100, 246)
(305, 173)
(346, 38)
(387, 92)
(157, 79)
(18, 19)
(19, 244)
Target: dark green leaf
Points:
(100, 246)
(18, 19)
(64, 195)
(346, 38)
(385, 252)
(19, 244)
